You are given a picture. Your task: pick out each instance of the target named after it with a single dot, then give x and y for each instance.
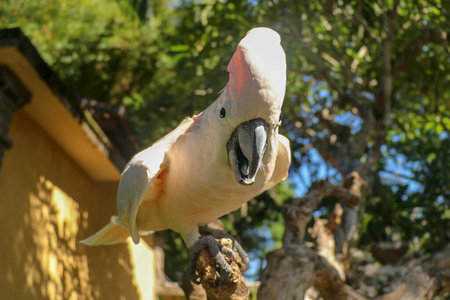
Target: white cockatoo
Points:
(215, 161)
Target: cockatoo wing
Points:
(135, 180)
(138, 175)
(282, 162)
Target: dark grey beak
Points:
(246, 148)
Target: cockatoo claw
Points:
(214, 248)
(220, 253)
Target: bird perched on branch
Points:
(215, 161)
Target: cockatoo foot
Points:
(217, 251)
(222, 248)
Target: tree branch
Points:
(325, 242)
(397, 174)
(214, 287)
(427, 35)
(345, 97)
(369, 30)
(301, 268)
(382, 105)
(233, 288)
(299, 211)
(426, 280)
(191, 290)
(347, 147)
(327, 120)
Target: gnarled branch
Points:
(425, 280)
(298, 211)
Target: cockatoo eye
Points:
(222, 112)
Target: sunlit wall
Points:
(48, 204)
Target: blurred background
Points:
(368, 92)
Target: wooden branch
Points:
(299, 211)
(397, 174)
(326, 119)
(384, 91)
(363, 136)
(427, 35)
(320, 66)
(304, 266)
(347, 147)
(354, 183)
(291, 271)
(369, 30)
(374, 153)
(233, 288)
(383, 95)
(342, 155)
(426, 280)
(354, 295)
(323, 71)
(325, 244)
(191, 290)
(213, 287)
(328, 282)
(335, 219)
(297, 214)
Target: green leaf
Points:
(431, 157)
(179, 48)
(428, 126)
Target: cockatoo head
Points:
(251, 102)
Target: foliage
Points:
(427, 159)
(335, 53)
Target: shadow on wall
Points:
(47, 205)
(55, 269)
(54, 265)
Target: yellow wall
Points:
(47, 204)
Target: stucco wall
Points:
(48, 204)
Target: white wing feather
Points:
(138, 175)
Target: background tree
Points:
(368, 92)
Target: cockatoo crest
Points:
(257, 72)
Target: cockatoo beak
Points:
(246, 148)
